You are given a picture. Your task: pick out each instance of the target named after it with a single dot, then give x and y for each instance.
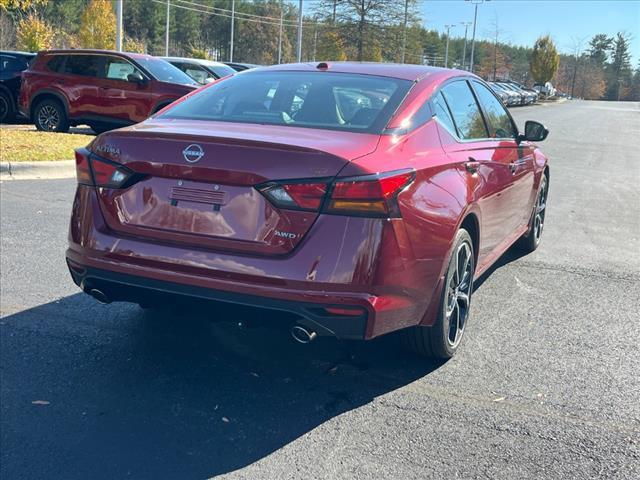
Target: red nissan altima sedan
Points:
(363, 198)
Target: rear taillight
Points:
(98, 172)
(369, 195)
(295, 195)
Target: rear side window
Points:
(498, 120)
(85, 65)
(332, 101)
(465, 110)
(56, 63)
(442, 112)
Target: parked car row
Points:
(512, 93)
(57, 89)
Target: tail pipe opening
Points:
(302, 334)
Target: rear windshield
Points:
(164, 71)
(325, 100)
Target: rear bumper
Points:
(125, 287)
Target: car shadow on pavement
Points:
(509, 256)
(92, 391)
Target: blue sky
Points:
(524, 21)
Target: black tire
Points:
(530, 242)
(7, 108)
(50, 116)
(99, 128)
(437, 341)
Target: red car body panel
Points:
(88, 99)
(391, 267)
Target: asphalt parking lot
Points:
(546, 384)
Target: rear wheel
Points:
(531, 240)
(7, 110)
(49, 116)
(444, 337)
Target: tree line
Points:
(265, 33)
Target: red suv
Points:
(102, 89)
(364, 198)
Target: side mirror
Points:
(135, 77)
(533, 132)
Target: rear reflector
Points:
(369, 195)
(90, 170)
(350, 312)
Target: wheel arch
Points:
(48, 95)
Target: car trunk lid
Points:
(197, 181)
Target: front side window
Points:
(119, 69)
(199, 74)
(498, 120)
(85, 65)
(333, 101)
(465, 110)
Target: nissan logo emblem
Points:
(193, 153)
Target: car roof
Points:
(200, 61)
(98, 52)
(394, 70)
(17, 53)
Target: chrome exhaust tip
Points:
(302, 335)
(100, 296)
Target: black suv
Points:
(11, 65)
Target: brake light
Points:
(93, 171)
(369, 195)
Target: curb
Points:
(37, 170)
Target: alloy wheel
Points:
(49, 118)
(459, 293)
(541, 205)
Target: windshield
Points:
(164, 71)
(332, 101)
(220, 70)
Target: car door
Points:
(486, 165)
(502, 128)
(124, 100)
(81, 83)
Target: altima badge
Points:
(193, 153)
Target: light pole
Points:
(464, 49)
(473, 38)
(166, 33)
(233, 21)
(299, 46)
(404, 30)
(280, 34)
(119, 25)
(446, 50)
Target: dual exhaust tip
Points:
(100, 296)
(299, 333)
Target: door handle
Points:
(472, 165)
(513, 167)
